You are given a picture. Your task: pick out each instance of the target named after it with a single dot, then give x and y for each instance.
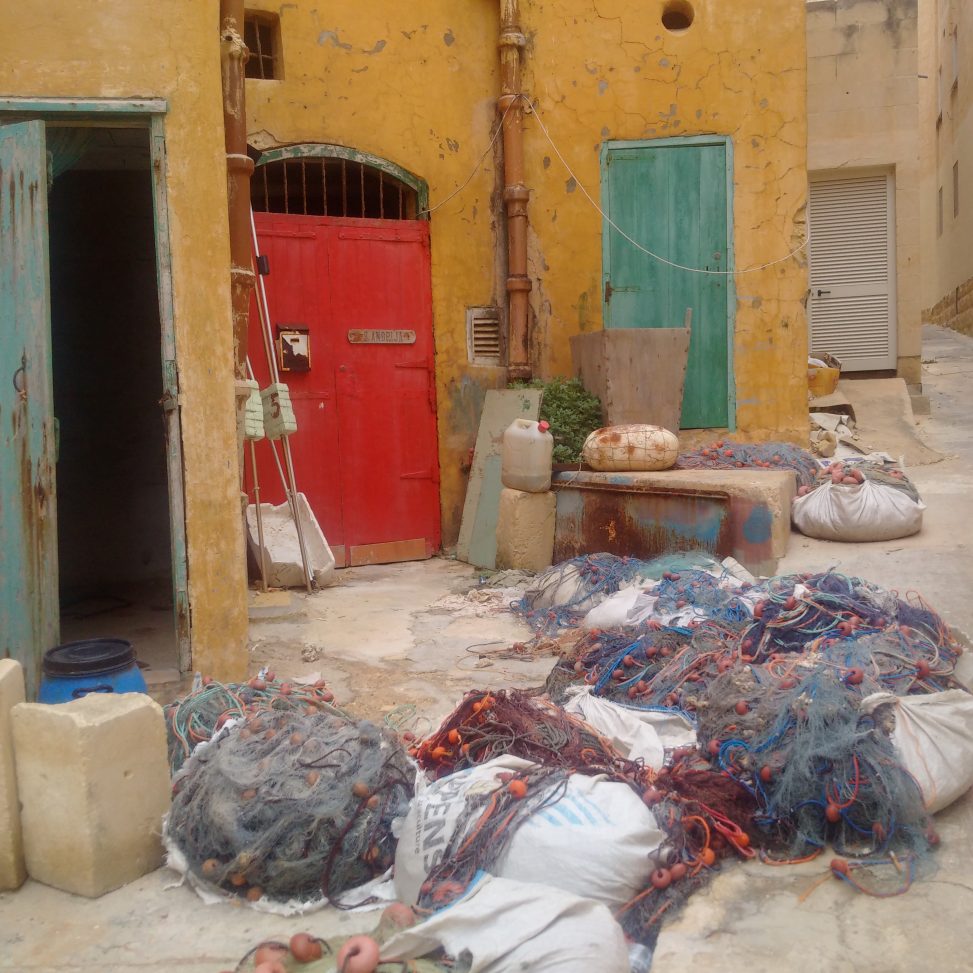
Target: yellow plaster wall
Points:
(146, 49)
(418, 87)
(609, 70)
(863, 112)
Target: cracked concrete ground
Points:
(382, 642)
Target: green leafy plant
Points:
(572, 411)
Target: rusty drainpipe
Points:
(239, 167)
(515, 193)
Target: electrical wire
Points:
(476, 168)
(635, 243)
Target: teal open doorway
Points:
(673, 197)
(93, 532)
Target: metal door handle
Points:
(820, 292)
(20, 379)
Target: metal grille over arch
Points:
(334, 180)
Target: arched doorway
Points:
(351, 314)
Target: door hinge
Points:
(608, 291)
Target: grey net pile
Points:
(821, 771)
(292, 807)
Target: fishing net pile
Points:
(562, 595)
(725, 454)
(487, 725)
(707, 816)
(198, 715)
(671, 666)
(777, 700)
(291, 807)
(821, 771)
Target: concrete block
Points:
(525, 530)
(94, 786)
(12, 869)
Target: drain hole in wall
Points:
(677, 15)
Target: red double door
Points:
(365, 451)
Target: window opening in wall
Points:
(484, 336)
(677, 15)
(939, 213)
(261, 34)
(956, 188)
(331, 187)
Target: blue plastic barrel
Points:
(75, 669)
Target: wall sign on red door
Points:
(373, 336)
(366, 450)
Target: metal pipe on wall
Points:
(515, 193)
(239, 168)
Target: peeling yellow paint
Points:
(145, 49)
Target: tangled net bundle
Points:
(725, 454)
(821, 772)
(777, 700)
(704, 594)
(488, 725)
(291, 806)
(198, 715)
(903, 643)
(562, 595)
(800, 612)
(705, 816)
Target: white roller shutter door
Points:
(852, 271)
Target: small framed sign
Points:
(378, 336)
(293, 349)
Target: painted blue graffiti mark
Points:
(757, 527)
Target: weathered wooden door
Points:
(29, 620)
(671, 197)
(366, 452)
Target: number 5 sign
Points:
(279, 417)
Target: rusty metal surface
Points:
(633, 520)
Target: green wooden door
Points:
(28, 535)
(671, 197)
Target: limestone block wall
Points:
(946, 112)
(863, 113)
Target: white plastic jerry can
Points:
(525, 460)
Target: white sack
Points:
(631, 735)
(509, 927)
(671, 729)
(617, 832)
(866, 511)
(613, 611)
(934, 737)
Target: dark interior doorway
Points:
(113, 511)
